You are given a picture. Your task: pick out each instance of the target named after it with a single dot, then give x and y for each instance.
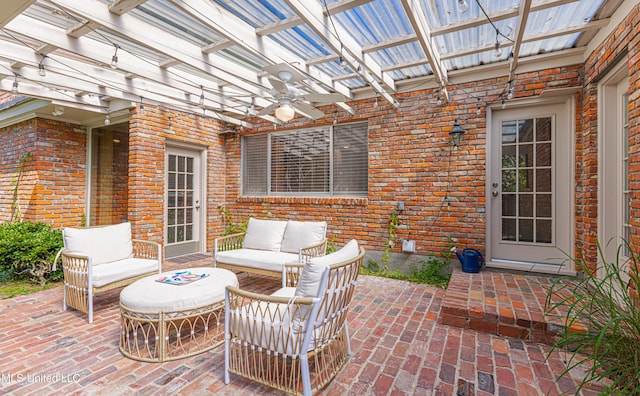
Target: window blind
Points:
(255, 164)
(330, 160)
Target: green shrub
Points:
(434, 271)
(602, 333)
(27, 251)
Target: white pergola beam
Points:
(11, 9)
(243, 35)
(167, 44)
(523, 15)
(94, 50)
(416, 15)
(288, 23)
(343, 43)
(81, 28)
(496, 16)
(535, 37)
(237, 31)
(120, 7)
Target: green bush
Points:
(27, 251)
(434, 271)
(602, 333)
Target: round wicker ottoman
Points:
(162, 322)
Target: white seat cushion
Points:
(299, 234)
(264, 234)
(148, 295)
(309, 282)
(104, 274)
(261, 259)
(103, 244)
(262, 327)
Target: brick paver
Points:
(399, 347)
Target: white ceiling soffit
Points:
(209, 54)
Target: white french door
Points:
(183, 203)
(530, 188)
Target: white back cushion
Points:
(302, 233)
(264, 234)
(103, 244)
(309, 282)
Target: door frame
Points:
(202, 155)
(564, 98)
(609, 111)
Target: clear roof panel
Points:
(376, 21)
(441, 13)
(165, 16)
(257, 13)
(382, 28)
(302, 41)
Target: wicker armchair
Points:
(291, 343)
(100, 258)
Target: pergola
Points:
(217, 56)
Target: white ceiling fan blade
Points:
(324, 98)
(307, 110)
(279, 86)
(268, 109)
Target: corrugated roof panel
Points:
(399, 54)
(557, 19)
(243, 57)
(412, 72)
(334, 69)
(441, 13)
(375, 22)
(476, 37)
(548, 45)
(257, 13)
(302, 41)
(167, 17)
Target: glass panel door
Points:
(530, 188)
(527, 196)
(183, 203)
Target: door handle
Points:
(197, 204)
(494, 193)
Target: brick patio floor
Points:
(399, 344)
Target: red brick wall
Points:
(626, 37)
(52, 186)
(409, 154)
(149, 130)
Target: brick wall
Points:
(150, 129)
(626, 37)
(409, 158)
(52, 185)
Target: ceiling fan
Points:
(289, 99)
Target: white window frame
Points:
(331, 192)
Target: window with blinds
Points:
(255, 164)
(331, 161)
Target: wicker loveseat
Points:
(297, 339)
(268, 244)
(97, 259)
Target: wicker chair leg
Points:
(90, 303)
(227, 378)
(346, 333)
(64, 297)
(306, 379)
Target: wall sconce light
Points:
(456, 134)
